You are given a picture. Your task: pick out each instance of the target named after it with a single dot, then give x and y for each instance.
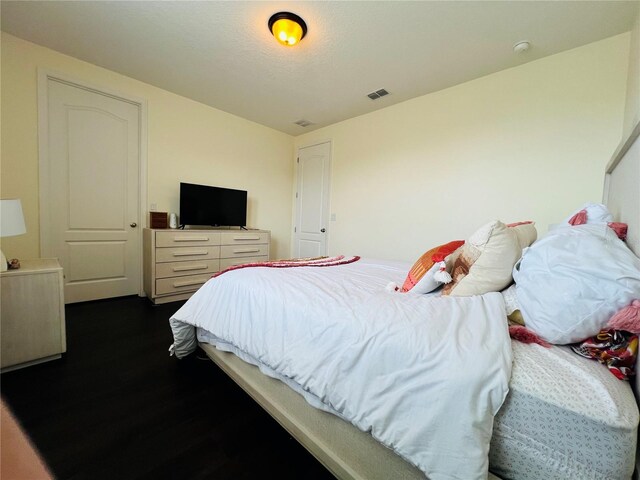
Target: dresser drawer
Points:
(181, 238)
(242, 237)
(178, 262)
(183, 254)
(230, 262)
(235, 251)
(188, 283)
(176, 269)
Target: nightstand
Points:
(32, 314)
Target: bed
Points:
(580, 423)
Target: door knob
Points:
(322, 230)
(133, 225)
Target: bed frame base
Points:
(345, 451)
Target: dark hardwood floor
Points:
(116, 406)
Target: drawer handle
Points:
(188, 283)
(246, 250)
(191, 253)
(186, 269)
(248, 237)
(191, 239)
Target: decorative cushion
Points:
(620, 229)
(422, 276)
(486, 260)
(589, 213)
(573, 280)
(597, 213)
(627, 319)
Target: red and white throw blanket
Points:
(296, 262)
(616, 349)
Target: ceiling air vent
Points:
(303, 123)
(377, 94)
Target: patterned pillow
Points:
(487, 258)
(424, 276)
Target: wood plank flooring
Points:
(116, 406)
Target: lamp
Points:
(11, 223)
(287, 27)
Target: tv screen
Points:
(212, 206)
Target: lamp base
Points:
(3, 262)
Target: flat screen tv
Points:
(212, 206)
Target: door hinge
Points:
(296, 194)
(295, 229)
(298, 159)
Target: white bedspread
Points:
(424, 374)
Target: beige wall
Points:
(632, 108)
(526, 143)
(529, 142)
(187, 141)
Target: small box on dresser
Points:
(178, 262)
(158, 219)
(32, 314)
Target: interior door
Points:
(312, 201)
(93, 164)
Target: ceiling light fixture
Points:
(287, 27)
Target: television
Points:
(212, 206)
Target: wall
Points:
(632, 107)
(187, 141)
(526, 143)
(529, 142)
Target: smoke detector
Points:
(522, 46)
(303, 123)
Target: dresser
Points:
(178, 262)
(32, 314)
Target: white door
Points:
(312, 201)
(91, 194)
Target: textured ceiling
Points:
(222, 54)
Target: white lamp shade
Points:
(11, 218)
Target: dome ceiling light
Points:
(287, 27)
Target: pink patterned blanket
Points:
(296, 262)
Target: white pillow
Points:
(573, 280)
(596, 213)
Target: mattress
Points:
(564, 417)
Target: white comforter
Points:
(424, 374)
